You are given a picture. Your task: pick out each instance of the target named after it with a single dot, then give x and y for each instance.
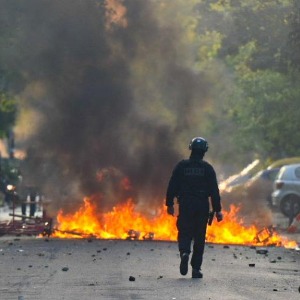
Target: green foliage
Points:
(7, 113)
(255, 92)
(293, 53)
(10, 169)
(267, 115)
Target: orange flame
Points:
(232, 231)
(124, 222)
(114, 224)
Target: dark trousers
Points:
(191, 225)
(32, 209)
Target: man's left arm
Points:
(172, 191)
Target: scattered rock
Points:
(226, 247)
(251, 265)
(262, 251)
(98, 251)
(128, 253)
(131, 278)
(65, 269)
(275, 290)
(273, 261)
(104, 249)
(160, 277)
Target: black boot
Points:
(184, 263)
(196, 273)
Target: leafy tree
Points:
(266, 111)
(7, 113)
(252, 83)
(10, 74)
(293, 52)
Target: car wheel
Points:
(290, 206)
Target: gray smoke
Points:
(108, 104)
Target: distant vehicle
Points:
(240, 178)
(284, 161)
(286, 194)
(260, 186)
(253, 183)
(257, 188)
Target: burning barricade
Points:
(125, 222)
(86, 222)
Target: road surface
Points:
(50, 269)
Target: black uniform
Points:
(192, 182)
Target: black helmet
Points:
(198, 143)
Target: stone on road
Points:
(53, 269)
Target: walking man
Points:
(193, 183)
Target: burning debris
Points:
(21, 224)
(149, 236)
(73, 233)
(264, 235)
(133, 235)
(161, 227)
(88, 223)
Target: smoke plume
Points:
(109, 102)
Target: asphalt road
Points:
(45, 269)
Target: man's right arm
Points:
(214, 191)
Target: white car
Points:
(286, 190)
